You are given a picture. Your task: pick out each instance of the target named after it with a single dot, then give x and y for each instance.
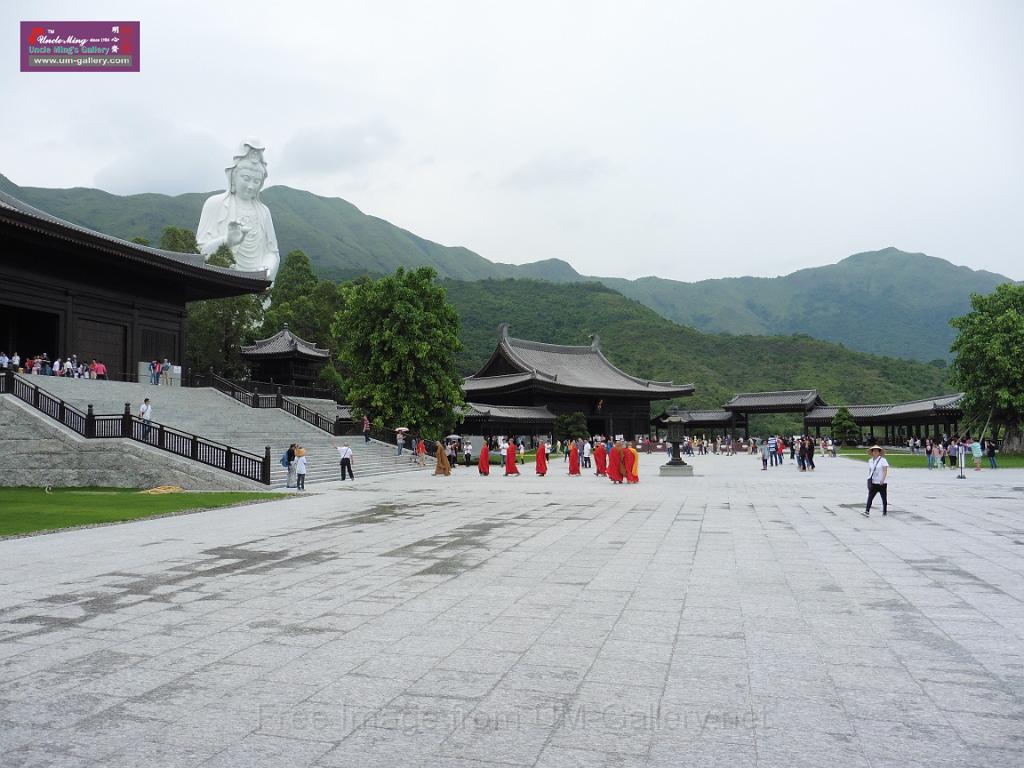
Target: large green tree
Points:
(307, 305)
(844, 428)
(989, 362)
(569, 426)
(216, 329)
(398, 340)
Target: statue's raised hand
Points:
(235, 233)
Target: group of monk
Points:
(618, 461)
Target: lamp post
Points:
(675, 467)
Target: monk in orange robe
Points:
(443, 467)
(542, 459)
(574, 460)
(615, 464)
(600, 459)
(510, 460)
(629, 460)
(636, 462)
(484, 462)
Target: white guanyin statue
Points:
(238, 218)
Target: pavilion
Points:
(562, 379)
(71, 290)
(933, 416)
(284, 358)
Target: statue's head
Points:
(249, 171)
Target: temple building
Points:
(69, 290)
(284, 358)
(532, 376)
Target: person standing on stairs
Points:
(292, 479)
(345, 460)
(300, 471)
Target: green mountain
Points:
(888, 302)
(645, 344)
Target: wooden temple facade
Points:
(69, 290)
(535, 377)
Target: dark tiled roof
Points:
(181, 262)
(697, 417)
(567, 367)
(285, 343)
(791, 398)
(508, 412)
(925, 407)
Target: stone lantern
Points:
(676, 467)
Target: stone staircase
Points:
(211, 414)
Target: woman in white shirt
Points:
(878, 474)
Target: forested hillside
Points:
(641, 342)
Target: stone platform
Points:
(742, 618)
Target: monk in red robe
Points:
(510, 460)
(600, 459)
(574, 460)
(542, 459)
(615, 464)
(484, 462)
(629, 461)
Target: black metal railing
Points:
(152, 433)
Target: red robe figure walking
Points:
(542, 459)
(629, 459)
(615, 464)
(574, 460)
(510, 461)
(600, 459)
(484, 462)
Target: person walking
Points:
(878, 479)
(345, 461)
(772, 449)
(765, 453)
(467, 452)
(366, 428)
(146, 414)
(421, 452)
(809, 458)
(442, 467)
(399, 443)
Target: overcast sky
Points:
(681, 139)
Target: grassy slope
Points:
(24, 510)
(641, 342)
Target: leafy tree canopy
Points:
(181, 240)
(569, 426)
(989, 359)
(217, 328)
(398, 340)
(844, 428)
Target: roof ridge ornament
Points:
(595, 341)
(503, 331)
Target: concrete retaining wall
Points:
(37, 451)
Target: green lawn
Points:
(24, 510)
(920, 461)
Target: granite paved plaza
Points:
(738, 618)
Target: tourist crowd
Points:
(41, 365)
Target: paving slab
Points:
(737, 618)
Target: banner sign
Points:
(79, 46)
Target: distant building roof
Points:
(284, 343)
(928, 407)
(711, 418)
(518, 363)
(229, 282)
(507, 412)
(778, 401)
